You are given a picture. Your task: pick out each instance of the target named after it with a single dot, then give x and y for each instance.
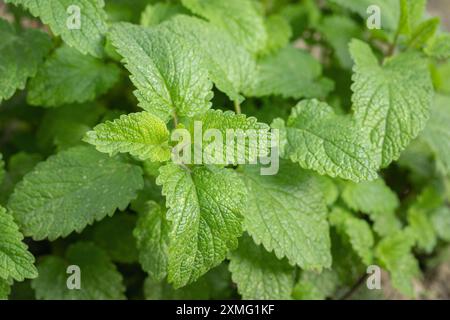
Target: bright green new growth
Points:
(71, 190)
(15, 260)
(21, 53)
(68, 76)
(142, 134)
(205, 211)
(62, 16)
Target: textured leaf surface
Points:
(286, 212)
(88, 38)
(15, 260)
(152, 236)
(376, 199)
(358, 232)
(141, 134)
(20, 55)
(230, 66)
(437, 131)
(71, 190)
(320, 140)
(239, 18)
(205, 211)
(392, 100)
(68, 76)
(100, 279)
(166, 71)
(290, 73)
(259, 275)
(241, 126)
(394, 253)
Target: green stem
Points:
(237, 107)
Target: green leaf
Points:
(419, 218)
(230, 66)
(205, 211)
(156, 13)
(338, 31)
(392, 100)
(389, 9)
(411, 12)
(5, 289)
(320, 140)
(99, 277)
(20, 55)
(242, 126)
(152, 236)
(423, 33)
(115, 236)
(316, 286)
(15, 260)
(239, 18)
(437, 132)
(357, 230)
(142, 134)
(260, 275)
(290, 73)
(439, 47)
(329, 189)
(68, 76)
(377, 200)
(286, 212)
(440, 219)
(65, 127)
(279, 32)
(394, 254)
(173, 80)
(213, 285)
(71, 190)
(59, 15)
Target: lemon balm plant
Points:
(95, 204)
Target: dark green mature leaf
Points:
(286, 212)
(258, 274)
(152, 236)
(71, 190)
(392, 100)
(20, 55)
(60, 15)
(99, 279)
(205, 211)
(15, 260)
(68, 77)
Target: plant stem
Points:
(354, 288)
(237, 106)
(175, 119)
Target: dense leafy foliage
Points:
(89, 119)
